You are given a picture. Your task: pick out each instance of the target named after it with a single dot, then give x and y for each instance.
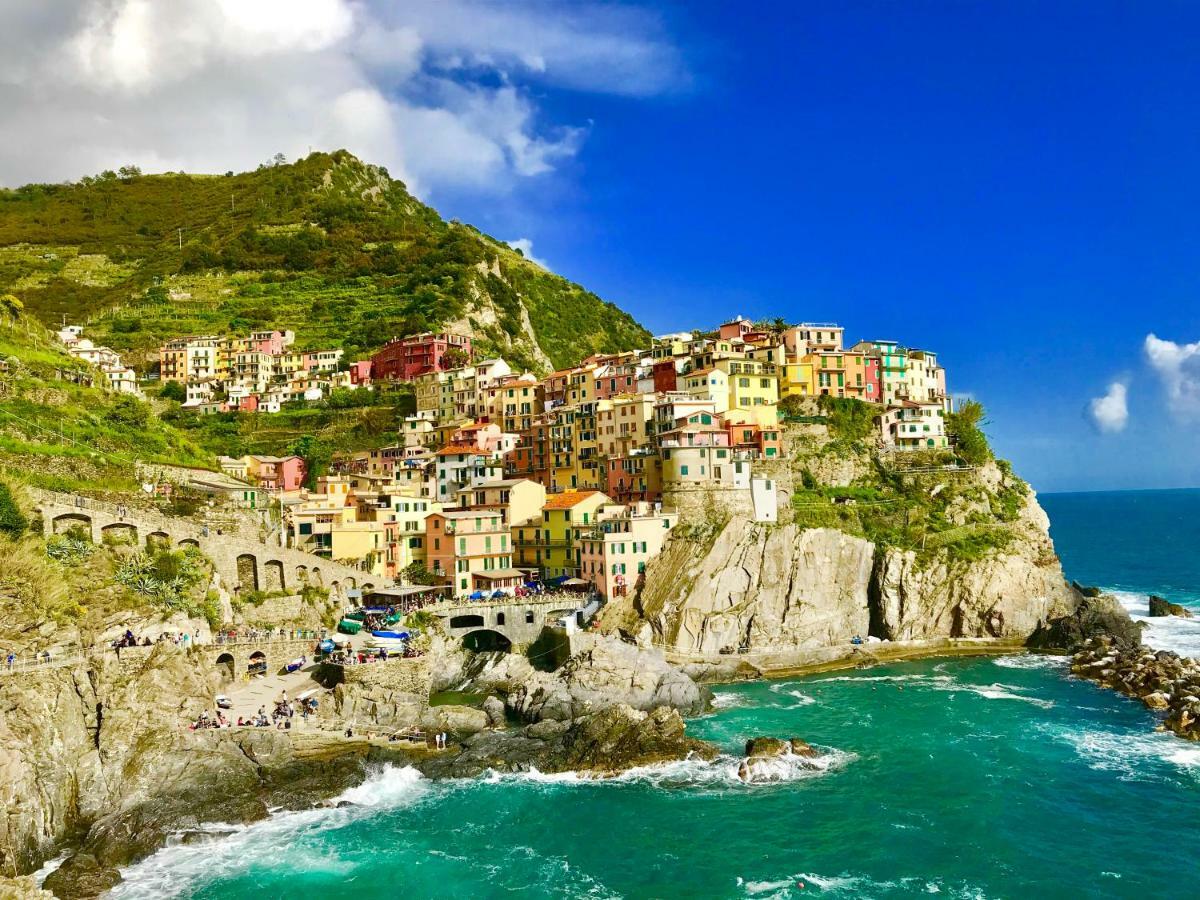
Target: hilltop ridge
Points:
(329, 246)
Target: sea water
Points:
(972, 778)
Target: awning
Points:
(500, 574)
(573, 582)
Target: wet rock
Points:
(1160, 606)
(773, 759)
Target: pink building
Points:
(360, 372)
(738, 328)
(614, 554)
(615, 380)
(277, 473)
(271, 342)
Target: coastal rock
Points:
(1160, 606)
(740, 586)
(493, 708)
(1094, 616)
(458, 721)
(771, 759)
(607, 672)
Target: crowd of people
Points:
(250, 635)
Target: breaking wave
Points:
(949, 684)
(1162, 632)
(284, 842)
(846, 885)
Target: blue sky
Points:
(1011, 184)
(1008, 183)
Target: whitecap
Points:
(274, 843)
(950, 684)
(1162, 632)
(1130, 755)
(848, 885)
(1032, 661)
(729, 700)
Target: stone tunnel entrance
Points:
(247, 570)
(225, 666)
(486, 641)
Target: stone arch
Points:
(226, 666)
(247, 570)
(302, 574)
(67, 521)
(314, 577)
(529, 617)
(486, 641)
(273, 577)
(499, 618)
(368, 587)
(257, 663)
(120, 533)
(469, 620)
(189, 542)
(350, 582)
(335, 586)
(157, 539)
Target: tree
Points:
(128, 172)
(416, 573)
(966, 427)
(12, 521)
(128, 412)
(173, 390)
(316, 455)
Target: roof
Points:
(568, 499)
(504, 483)
(454, 449)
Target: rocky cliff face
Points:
(782, 587)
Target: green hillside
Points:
(328, 246)
(57, 432)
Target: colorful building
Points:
(403, 359)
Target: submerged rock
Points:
(771, 759)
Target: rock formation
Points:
(1161, 606)
(741, 585)
(1163, 681)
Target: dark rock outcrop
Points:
(1161, 606)
(1093, 617)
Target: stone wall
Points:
(408, 675)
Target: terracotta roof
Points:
(567, 499)
(455, 449)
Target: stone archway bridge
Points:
(519, 620)
(250, 565)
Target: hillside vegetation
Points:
(328, 246)
(58, 433)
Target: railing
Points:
(233, 639)
(14, 664)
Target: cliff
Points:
(738, 585)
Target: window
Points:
(683, 470)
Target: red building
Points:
(666, 377)
(403, 359)
(765, 442)
(360, 372)
(738, 328)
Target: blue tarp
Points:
(558, 580)
(401, 635)
(478, 595)
(496, 594)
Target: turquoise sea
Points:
(965, 778)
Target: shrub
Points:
(12, 521)
(966, 427)
(173, 390)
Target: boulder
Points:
(1160, 606)
(1156, 700)
(775, 759)
(493, 708)
(458, 721)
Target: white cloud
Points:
(525, 245)
(1178, 367)
(1110, 413)
(442, 92)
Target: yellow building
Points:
(711, 385)
(798, 378)
(518, 500)
(553, 544)
(753, 391)
(622, 423)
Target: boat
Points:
(399, 635)
(349, 626)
